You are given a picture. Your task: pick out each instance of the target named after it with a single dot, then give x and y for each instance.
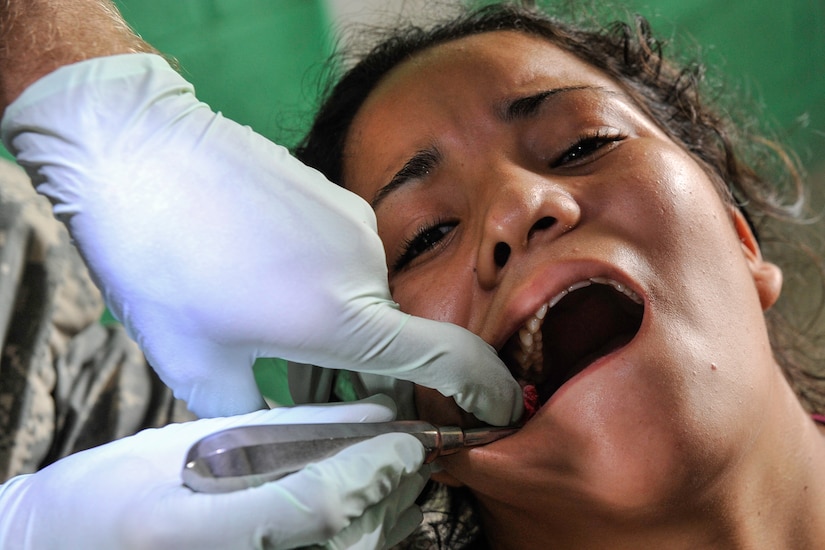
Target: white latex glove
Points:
(215, 247)
(128, 494)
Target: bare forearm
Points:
(39, 36)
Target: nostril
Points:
(544, 223)
(501, 253)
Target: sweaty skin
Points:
(656, 442)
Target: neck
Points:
(769, 497)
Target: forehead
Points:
(457, 86)
(511, 57)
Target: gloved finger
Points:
(199, 374)
(388, 522)
(354, 537)
(406, 524)
(337, 493)
(377, 408)
(308, 507)
(448, 358)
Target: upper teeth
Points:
(530, 356)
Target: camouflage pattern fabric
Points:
(67, 383)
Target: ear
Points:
(766, 276)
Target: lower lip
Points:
(589, 369)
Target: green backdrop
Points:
(773, 51)
(250, 59)
(257, 60)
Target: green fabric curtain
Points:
(258, 60)
(250, 59)
(772, 51)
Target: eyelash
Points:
(422, 242)
(596, 140)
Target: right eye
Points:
(589, 146)
(423, 241)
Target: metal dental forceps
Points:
(247, 456)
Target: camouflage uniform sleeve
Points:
(67, 382)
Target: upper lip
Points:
(550, 284)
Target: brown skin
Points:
(687, 437)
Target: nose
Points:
(520, 215)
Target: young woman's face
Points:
(512, 181)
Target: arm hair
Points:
(39, 36)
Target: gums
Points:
(531, 402)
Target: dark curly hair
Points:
(750, 171)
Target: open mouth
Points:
(589, 320)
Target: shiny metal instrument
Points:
(248, 456)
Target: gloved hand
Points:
(214, 246)
(128, 494)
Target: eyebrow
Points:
(418, 166)
(426, 160)
(525, 107)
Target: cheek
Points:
(678, 216)
(442, 293)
